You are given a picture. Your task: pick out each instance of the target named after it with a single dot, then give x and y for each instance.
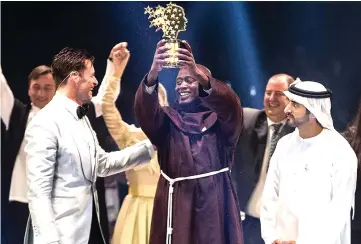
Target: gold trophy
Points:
(171, 20)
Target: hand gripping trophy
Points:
(171, 20)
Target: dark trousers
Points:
(356, 236)
(252, 231)
(95, 233)
(18, 217)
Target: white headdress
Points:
(315, 97)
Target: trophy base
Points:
(172, 61)
(171, 66)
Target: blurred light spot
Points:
(253, 91)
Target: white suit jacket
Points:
(64, 158)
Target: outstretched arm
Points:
(114, 70)
(117, 128)
(126, 159)
(148, 112)
(7, 100)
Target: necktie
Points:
(274, 139)
(82, 110)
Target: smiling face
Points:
(186, 87)
(41, 90)
(274, 99)
(86, 82)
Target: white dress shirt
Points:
(254, 204)
(18, 189)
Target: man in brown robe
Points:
(196, 140)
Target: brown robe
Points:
(205, 211)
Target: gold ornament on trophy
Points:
(171, 20)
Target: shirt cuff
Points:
(150, 147)
(243, 215)
(208, 90)
(110, 68)
(7, 101)
(149, 89)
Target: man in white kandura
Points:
(310, 185)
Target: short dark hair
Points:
(68, 60)
(39, 71)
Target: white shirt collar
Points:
(34, 108)
(270, 122)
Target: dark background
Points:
(241, 42)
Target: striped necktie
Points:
(274, 139)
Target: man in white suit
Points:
(64, 157)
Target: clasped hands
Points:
(185, 59)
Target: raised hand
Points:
(159, 60)
(119, 56)
(186, 58)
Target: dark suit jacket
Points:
(249, 153)
(10, 144)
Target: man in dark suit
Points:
(14, 117)
(261, 131)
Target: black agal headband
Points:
(310, 94)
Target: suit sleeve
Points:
(126, 159)
(41, 150)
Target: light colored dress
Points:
(134, 219)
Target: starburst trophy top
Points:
(171, 20)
